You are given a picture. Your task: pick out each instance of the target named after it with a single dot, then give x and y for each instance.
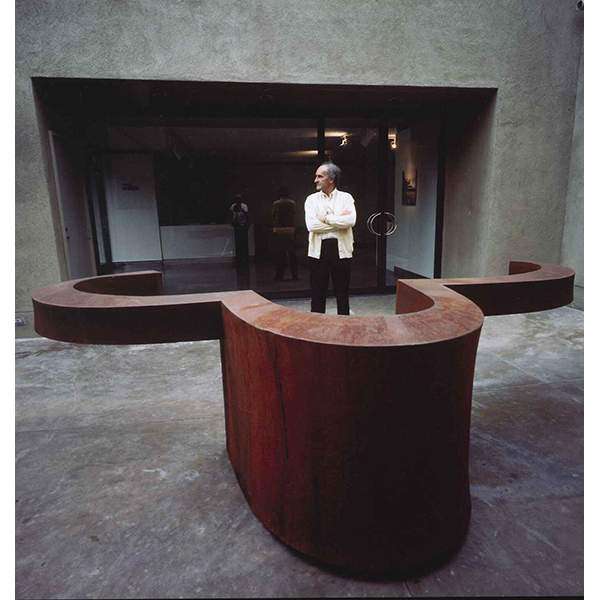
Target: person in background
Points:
(330, 216)
(240, 222)
(284, 234)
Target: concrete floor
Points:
(123, 487)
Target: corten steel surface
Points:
(349, 435)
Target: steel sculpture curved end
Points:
(349, 435)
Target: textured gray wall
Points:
(572, 243)
(468, 199)
(528, 50)
(36, 250)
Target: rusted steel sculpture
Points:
(349, 435)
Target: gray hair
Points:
(333, 172)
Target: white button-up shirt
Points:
(324, 221)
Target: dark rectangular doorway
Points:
(164, 161)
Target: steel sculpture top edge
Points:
(129, 309)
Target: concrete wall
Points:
(469, 192)
(39, 251)
(528, 50)
(572, 242)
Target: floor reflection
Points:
(187, 276)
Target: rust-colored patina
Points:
(349, 435)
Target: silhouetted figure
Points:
(241, 222)
(284, 234)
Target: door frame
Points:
(87, 225)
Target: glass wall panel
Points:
(410, 251)
(352, 144)
(200, 170)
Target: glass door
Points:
(365, 151)
(231, 204)
(352, 144)
(414, 180)
(200, 170)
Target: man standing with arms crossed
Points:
(330, 216)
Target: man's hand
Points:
(340, 214)
(322, 216)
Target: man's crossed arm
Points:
(322, 223)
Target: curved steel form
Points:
(391, 220)
(349, 435)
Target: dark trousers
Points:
(330, 263)
(285, 253)
(241, 244)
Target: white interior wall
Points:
(68, 170)
(131, 207)
(412, 246)
(201, 241)
(95, 200)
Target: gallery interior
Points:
(161, 162)
(459, 131)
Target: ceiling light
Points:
(302, 153)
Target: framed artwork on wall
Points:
(409, 189)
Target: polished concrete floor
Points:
(191, 276)
(123, 487)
